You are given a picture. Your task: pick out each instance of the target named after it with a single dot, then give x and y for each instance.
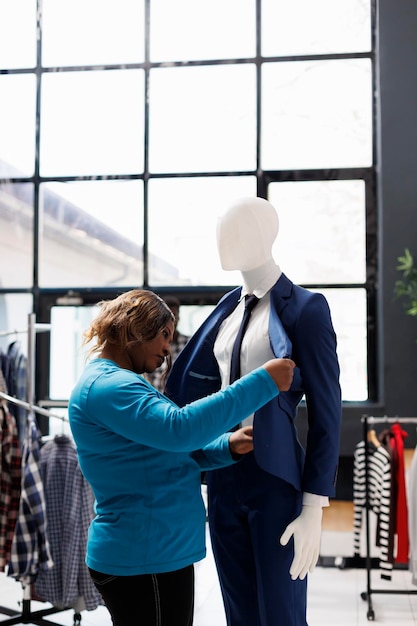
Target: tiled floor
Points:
(334, 596)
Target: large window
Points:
(126, 129)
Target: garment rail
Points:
(32, 407)
(367, 595)
(27, 616)
(8, 333)
(37, 327)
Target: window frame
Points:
(45, 298)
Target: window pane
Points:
(191, 317)
(16, 234)
(322, 230)
(67, 326)
(92, 234)
(14, 316)
(17, 33)
(195, 29)
(183, 215)
(203, 119)
(348, 309)
(17, 124)
(14, 340)
(92, 123)
(14, 322)
(319, 27)
(307, 124)
(96, 32)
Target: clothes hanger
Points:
(372, 438)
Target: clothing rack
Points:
(38, 327)
(367, 595)
(27, 616)
(32, 407)
(7, 333)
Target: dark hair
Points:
(137, 315)
(172, 301)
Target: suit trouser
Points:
(249, 510)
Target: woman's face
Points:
(147, 356)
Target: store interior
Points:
(100, 194)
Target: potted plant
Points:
(406, 287)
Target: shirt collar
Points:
(266, 283)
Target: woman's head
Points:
(135, 316)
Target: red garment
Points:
(397, 436)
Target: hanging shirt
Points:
(30, 551)
(379, 499)
(412, 517)
(10, 479)
(401, 514)
(69, 510)
(15, 375)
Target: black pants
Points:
(148, 599)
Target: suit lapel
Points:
(281, 293)
(224, 308)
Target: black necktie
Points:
(250, 303)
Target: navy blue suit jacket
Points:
(305, 317)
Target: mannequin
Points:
(265, 512)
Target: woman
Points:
(143, 456)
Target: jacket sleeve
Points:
(314, 345)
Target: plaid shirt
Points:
(156, 378)
(70, 509)
(10, 478)
(30, 549)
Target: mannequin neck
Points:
(253, 278)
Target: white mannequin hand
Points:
(307, 533)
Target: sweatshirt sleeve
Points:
(127, 405)
(216, 454)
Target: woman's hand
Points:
(281, 371)
(241, 441)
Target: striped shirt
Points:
(379, 499)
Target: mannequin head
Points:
(245, 234)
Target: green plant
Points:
(407, 286)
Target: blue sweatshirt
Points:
(143, 456)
